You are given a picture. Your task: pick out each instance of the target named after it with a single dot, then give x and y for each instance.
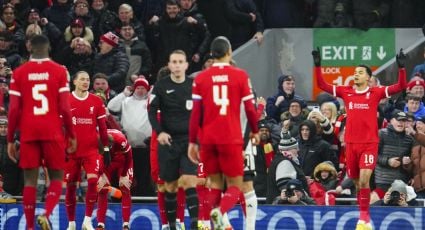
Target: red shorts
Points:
(91, 164)
(114, 170)
(360, 156)
(227, 159)
(201, 170)
(51, 154)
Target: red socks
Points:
(29, 198)
(52, 196)
(213, 197)
(229, 199)
(363, 198)
(70, 201)
(161, 207)
(125, 204)
(91, 196)
(202, 196)
(102, 205)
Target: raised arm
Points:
(401, 84)
(318, 70)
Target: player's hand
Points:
(255, 138)
(11, 152)
(164, 138)
(125, 181)
(193, 153)
(102, 181)
(72, 145)
(316, 56)
(401, 59)
(394, 162)
(106, 157)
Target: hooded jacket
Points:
(314, 150)
(274, 111)
(319, 188)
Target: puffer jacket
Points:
(392, 144)
(115, 65)
(418, 162)
(319, 188)
(59, 14)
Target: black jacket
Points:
(314, 150)
(59, 14)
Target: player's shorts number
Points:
(369, 159)
(37, 94)
(220, 98)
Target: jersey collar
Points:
(363, 91)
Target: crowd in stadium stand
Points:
(119, 41)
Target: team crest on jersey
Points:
(189, 104)
(91, 109)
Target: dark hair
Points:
(413, 97)
(6, 6)
(39, 40)
(162, 73)
(101, 76)
(172, 3)
(368, 70)
(220, 46)
(124, 24)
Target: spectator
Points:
(419, 68)
(104, 20)
(371, 14)
(112, 61)
(294, 116)
(81, 11)
(126, 16)
(284, 167)
(279, 103)
(394, 151)
(78, 55)
(266, 151)
(284, 13)
(313, 149)
(415, 106)
(100, 83)
(397, 195)
(49, 29)
(137, 52)
(218, 26)
(4, 93)
(201, 36)
(78, 28)
(175, 32)
(325, 128)
(133, 103)
(11, 174)
(332, 13)
(407, 13)
(8, 18)
(59, 13)
(324, 181)
(294, 194)
(246, 22)
(418, 159)
(9, 50)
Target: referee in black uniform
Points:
(173, 97)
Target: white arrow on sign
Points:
(381, 53)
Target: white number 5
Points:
(38, 96)
(220, 98)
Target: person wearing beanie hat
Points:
(416, 87)
(397, 195)
(284, 166)
(110, 39)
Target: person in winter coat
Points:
(313, 149)
(394, 151)
(279, 103)
(418, 157)
(292, 118)
(294, 194)
(325, 179)
(112, 61)
(104, 20)
(415, 106)
(59, 13)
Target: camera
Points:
(394, 198)
(289, 192)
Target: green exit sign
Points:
(350, 47)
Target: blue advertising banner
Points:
(145, 216)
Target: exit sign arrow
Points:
(381, 53)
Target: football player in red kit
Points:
(361, 130)
(121, 170)
(39, 92)
(217, 95)
(89, 119)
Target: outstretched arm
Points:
(400, 85)
(318, 71)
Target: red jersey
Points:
(361, 107)
(87, 113)
(220, 90)
(121, 151)
(38, 84)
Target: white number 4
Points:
(38, 96)
(220, 98)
